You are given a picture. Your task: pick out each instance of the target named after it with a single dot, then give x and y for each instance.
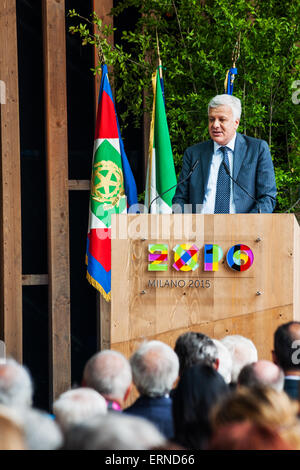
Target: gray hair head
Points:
(155, 368)
(115, 431)
(16, 388)
(264, 373)
(109, 373)
(242, 352)
(41, 432)
(77, 405)
(195, 348)
(229, 100)
(225, 361)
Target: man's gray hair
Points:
(41, 432)
(109, 373)
(77, 405)
(242, 352)
(260, 373)
(115, 431)
(225, 361)
(155, 367)
(16, 387)
(229, 100)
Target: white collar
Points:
(230, 144)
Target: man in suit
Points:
(155, 368)
(286, 354)
(209, 188)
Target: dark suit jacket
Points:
(252, 168)
(158, 410)
(292, 388)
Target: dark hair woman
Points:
(198, 390)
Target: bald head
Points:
(285, 346)
(109, 373)
(262, 373)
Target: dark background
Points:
(80, 94)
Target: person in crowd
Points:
(286, 354)
(200, 387)
(16, 388)
(155, 368)
(109, 373)
(224, 361)
(263, 406)
(41, 432)
(11, 430)
(77, 405)
(242, 351)
(207, 167)
(261, 373)
(114, 431)
(247, 436)
(195, 348)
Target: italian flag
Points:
(108, 185)
(161, 170)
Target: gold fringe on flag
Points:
(99, 288)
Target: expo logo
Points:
(239, 257)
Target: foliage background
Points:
(196, 41)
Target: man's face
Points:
(221, 124)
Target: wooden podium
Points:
(163, 304)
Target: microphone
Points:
(244, 189)
(177, 184)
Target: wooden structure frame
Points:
(58, 186)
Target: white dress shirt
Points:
(210, 195)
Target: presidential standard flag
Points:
(161, 170)
(112, 189)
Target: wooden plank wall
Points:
(57, 195)
(10, 186)
(58, 186)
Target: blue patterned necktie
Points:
(222, 203)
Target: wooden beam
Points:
(102, 8)
(35, 279)
(79, 185)
(57, 195)
(10, 186)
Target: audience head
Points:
(109, 373)
(242, 352)
(260, 405)
(155, 368)
(247, 436)
(225, 361)
(41, 432)
(114, 431)
(195, 348)
(77, 405)
(262, 373)
(199, 389)
(16, 387)
(11, 430)
(284, 349)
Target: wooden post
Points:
(102, 8)
(10, 182)
(57, 195)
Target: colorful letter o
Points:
(240, 257)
